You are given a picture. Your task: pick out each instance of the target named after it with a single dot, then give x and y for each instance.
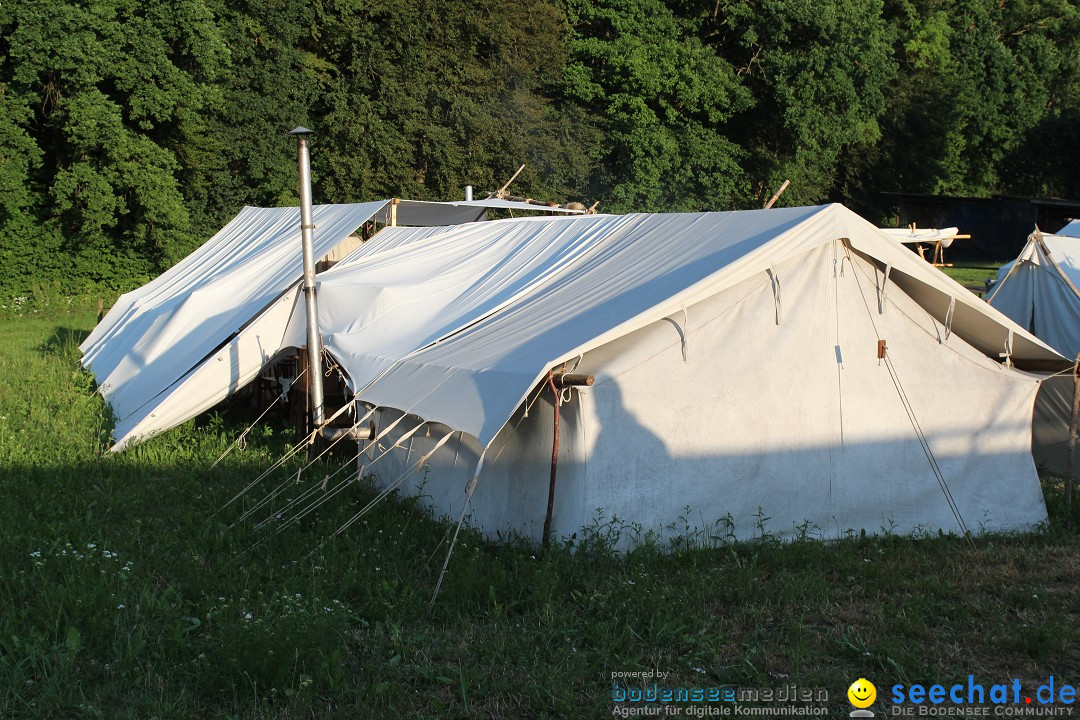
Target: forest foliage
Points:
(130, 130)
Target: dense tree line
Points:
(131, 129)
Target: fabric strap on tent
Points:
(774, 280)
(949, 317)
(884, 288)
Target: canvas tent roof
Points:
(239, 360)
(1072, 229)
(456, 212)
(475, 354)
(155, 335)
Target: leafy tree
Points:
(420, 98)
(113, 87)
(981, 83)
(817, 72)
(662, 97)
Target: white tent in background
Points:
(223, 304)
(1039, 290)
(1072, 229)
(737, 376)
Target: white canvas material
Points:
(159, 338)
(427, 213)
(1040, 290)
(279, 326)
(760, 385)
(1071, 230)
(917, 236)
(154, 335)
(738, 384)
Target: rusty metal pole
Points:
(546, 541)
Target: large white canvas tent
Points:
(214, 308)
(740, 383)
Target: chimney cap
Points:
(300, 130)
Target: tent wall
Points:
(759, 427)
(511, 496)
(1050, 426)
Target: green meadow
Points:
(126, 591)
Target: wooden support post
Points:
(1073, 432)
(774, 198)
(502, 191)
(393, 212)
(565, 380)
(100, 308)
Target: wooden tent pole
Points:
(499, 193)
(774, 198)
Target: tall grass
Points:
(126, 594)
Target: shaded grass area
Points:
(125, 595)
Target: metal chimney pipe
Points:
(468, 193)
(314, 339)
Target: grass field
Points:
(124, 595)
(972, 273)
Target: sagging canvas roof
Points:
(157, 333)
(153, 337)
(238, 361)
(458, 327)
(1040, 290)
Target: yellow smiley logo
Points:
(862, 693)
